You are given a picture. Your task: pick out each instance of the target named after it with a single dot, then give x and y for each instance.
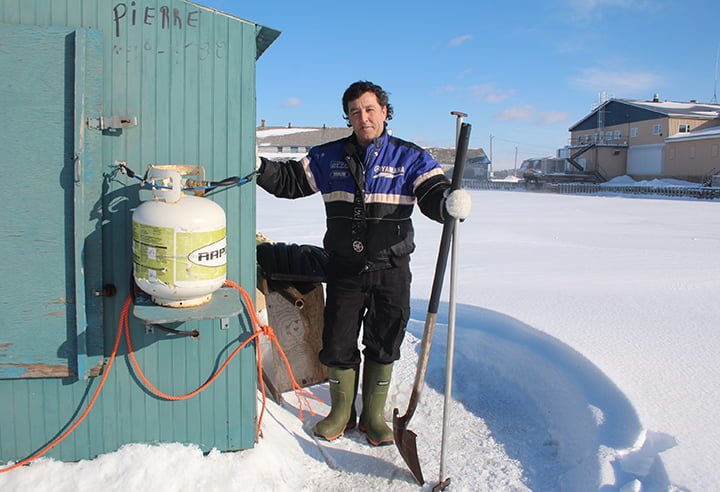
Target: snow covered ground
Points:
(628, 181)
(585, 360)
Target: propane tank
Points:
(179, 243)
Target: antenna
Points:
(714, 99)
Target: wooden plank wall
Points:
(188, 74)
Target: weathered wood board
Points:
(299, 332)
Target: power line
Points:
(525, 144)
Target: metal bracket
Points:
(224, 323)
(111, 123)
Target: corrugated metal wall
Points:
(188, 74)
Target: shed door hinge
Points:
(112, 123)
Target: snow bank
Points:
(654, 183)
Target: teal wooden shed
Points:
(85, 86)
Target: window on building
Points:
(657, 130)
(294, 149)
(608, 136)
(633, 132)
(617, 135)
(684, 128)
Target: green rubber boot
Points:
(376, 381)
(342, 383)
(352, 421)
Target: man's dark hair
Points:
(359, 88)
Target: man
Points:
(369, 182)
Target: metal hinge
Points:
(112, 123)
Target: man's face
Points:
(367, 117)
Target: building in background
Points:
(648, 139)
(477, 164)
(288, 142)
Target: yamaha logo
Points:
(388, 171)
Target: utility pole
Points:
(515, 165)
(717, 57)
(491, 158)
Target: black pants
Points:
(379, 301)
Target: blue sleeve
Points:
(429, 184)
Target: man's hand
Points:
(258, 162)
(458, 204)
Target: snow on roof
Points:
(670, 109)
(713, 132)
(274, 132)
(299, 137)
(670, 104)
(281, 156)
(676, 108)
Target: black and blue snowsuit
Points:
(369, 196)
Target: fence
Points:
(700, 192)
(477, 184)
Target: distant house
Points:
(278, 142)
(545, 165)
(648, 139)
(477, 163)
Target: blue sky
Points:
(523, 71)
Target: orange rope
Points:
(106, 372)
(258, 329)
(165, 396)
(267, 330)
(124, 327)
